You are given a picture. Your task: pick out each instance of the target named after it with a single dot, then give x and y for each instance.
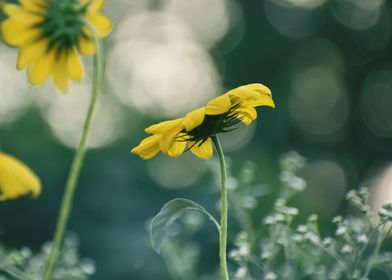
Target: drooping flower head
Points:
(51, 35)
(196, 128)
(16, 179)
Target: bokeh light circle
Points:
(158, 69)
(375, 103)
(357, 14)
(326, 186)
(14, 94)
(293, 20)
(209, 20)
(65, 115)
(237, 138)
(381, 188)
(176, 173)
(318, 102)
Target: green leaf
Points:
(169, 213)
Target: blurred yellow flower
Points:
(51, 35)
(16, 179)
(196, 128)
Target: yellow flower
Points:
(16, 179)
(51, 35)
(196, 128)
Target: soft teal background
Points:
(327, 62)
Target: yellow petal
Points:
(30, 52)
(245, 119)
(260, 88)
(32, 5)
(95, 5)
(86, 46)
(102, 24)
(17, 33)
(177, 148)
(16, 178)
(238, 95)
(162, 127)
(218, 105)
(204, 150)
(19, 13)
(246, 115)
(169, 137)
(40, 69)
(194, 119)
(60, 72)
(251, 91)
(148, 148)
(262, 100)
(250, 112)
(75, 66)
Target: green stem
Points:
(77, 163)
(380, 239)
(14, 274)
(223, 225)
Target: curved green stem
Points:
(223, 224)
(77, 163)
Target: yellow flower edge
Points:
(48, 54)
(16, 179)
(194, 131)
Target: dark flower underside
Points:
(63, 23)
(212, 125)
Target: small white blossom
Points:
(285, 176)
(244, 250)
(313, 218)
(327, 241)
(302, 228)
(241, 272)
(269, 220)
(342, 230)
(291, 211)
(347, 249)
(232, 183)
(351, 194)
(337, 219)
(312, 237)
(233, 254)
(280, 217)
(362, 238)
(298, 184)
(297, 237)
(249, 202)
(266, 254)
(271, 276)
(280, 203)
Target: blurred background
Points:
(327, 62)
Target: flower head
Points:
(16, 178)
(196, 128)
(51, 35)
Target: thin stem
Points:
(245, 221)
(362, 250)
(223, 224)
(376, 252)
(15, 274)
(336, 257)
(77, 162)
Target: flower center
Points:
(214, 124)
(63, 23)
